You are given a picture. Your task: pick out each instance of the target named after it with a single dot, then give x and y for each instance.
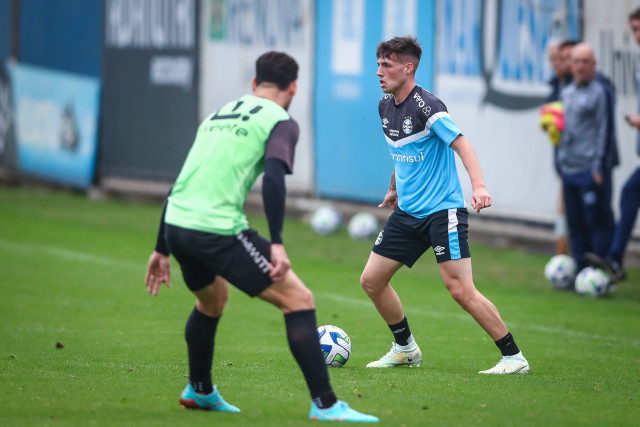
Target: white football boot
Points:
(515, 364)
(408, 355)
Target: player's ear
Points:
(254, 84)
(293, 88)
(408, 67)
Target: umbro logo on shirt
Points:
(439, 250)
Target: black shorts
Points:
(243, 259)
(404, 238)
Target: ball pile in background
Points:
(561, 272)
(327, 219)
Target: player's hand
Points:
(158, 272)
(280, 263)
(480, 199)
(390, 199)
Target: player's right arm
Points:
(158, 272)
(159, 265)
(391, 198)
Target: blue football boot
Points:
(340, 411)
(210, 402)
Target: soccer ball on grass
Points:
(362, 226)
(325, 219)
(560, 271)
(335, 344)
(592, 282)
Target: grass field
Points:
(71, 276)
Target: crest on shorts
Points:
(379, 239)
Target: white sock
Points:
(411, 344)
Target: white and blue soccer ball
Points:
(362, 226)
(592, 282)
(560, 271)
(335, 344)
(326, 219)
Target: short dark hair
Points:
(635, 14)
(404, 47)
(276, 67)
(568, 43)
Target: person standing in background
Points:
(584, 158)
(563, 68)
(562, 78)
(560, 59)
(612, 262)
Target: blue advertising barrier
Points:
(64, 35)
(56, 118)
(352, 158)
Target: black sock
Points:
(401, 332)
(200, 333)
(507, 345)
(303, 339)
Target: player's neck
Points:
(401, 94)
(282, 98)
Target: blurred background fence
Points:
(107, 94)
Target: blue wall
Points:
(5, 29)
(65, 35)
(351, 156)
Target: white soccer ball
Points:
(362, 226)
(560, 271)
(592, 282)
(325, 219)
(335, 344)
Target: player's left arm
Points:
(481, 198)
(278, 162)
(273, 198)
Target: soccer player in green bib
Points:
(205, 228)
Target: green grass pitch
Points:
(71, 276)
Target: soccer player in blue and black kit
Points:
(429, 208)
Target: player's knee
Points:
(461, 294)
(369, 284)
(212, 308)
(302, 299)
(307, 299)
(462, 298)
(221, 301)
